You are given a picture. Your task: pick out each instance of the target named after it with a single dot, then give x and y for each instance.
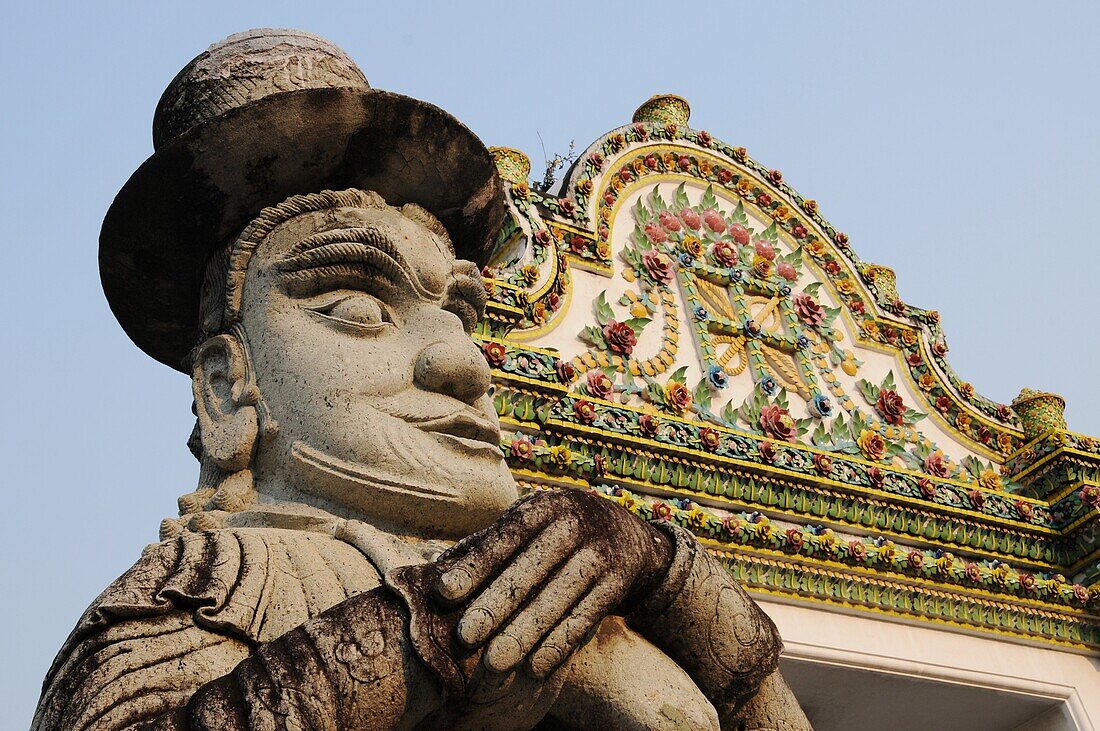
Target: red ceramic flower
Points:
(661, 511)
(767, 451)
(787, 271)
(890, 405)
(565, 370)
(927, 488)
(521, 449)
(935, 465)
(648, 423)
(598, 384)
(709, 439)
(658, 266)
(808, 310)
(724, 176)
(1090, 496)
(763, 200)
(799, 231)
(943, 403)
(795, 539)
(977, 498)
(857, 550)
(725, 253)
(678, 395)
(777, 422)
(620, 338)
(823, 464)
(585, 411)
(495, 354)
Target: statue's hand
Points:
(541, 578)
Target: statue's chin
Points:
(427, 493)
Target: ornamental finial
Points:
(664, 109)
(1040, 412)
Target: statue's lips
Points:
(469, 428)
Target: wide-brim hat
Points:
(232, 138)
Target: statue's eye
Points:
(362, 309)
(359, 313)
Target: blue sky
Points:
(954, 142)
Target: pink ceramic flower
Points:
(669, 221)
(740, 234)
(691, 219)
(714, 220)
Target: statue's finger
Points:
(549, 608)
(567, 637)
(471, 562)
(507, 592)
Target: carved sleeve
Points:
(701, 618)
(349, 668)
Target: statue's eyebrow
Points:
(365, 253)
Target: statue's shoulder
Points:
(253, 583)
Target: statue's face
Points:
(359, 333)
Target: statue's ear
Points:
(225, 402)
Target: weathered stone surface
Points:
(346, 441)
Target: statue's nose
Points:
(453, 367)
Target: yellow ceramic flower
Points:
(560, 455)
(927, 382)
(538, 313)
(1006, 443)
(963, 421)
(617, 183)
(626, 500)
(782, 213)
(530, 273)
(990, 480)
(603, 250)
(740, 154)
(584, 186)
(704, 168)
(810, 206)
(761, 266)
(872, 445)
(743, 188)
(845, 286)
(966, 390)
(908, 337)
(870, 328)
(639, 166)
(815, 248)
(693, 246)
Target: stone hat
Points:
(253, 120)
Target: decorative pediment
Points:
(677, 321)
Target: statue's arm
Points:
(351, 667)
(705, 621)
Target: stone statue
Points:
(308, 249)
